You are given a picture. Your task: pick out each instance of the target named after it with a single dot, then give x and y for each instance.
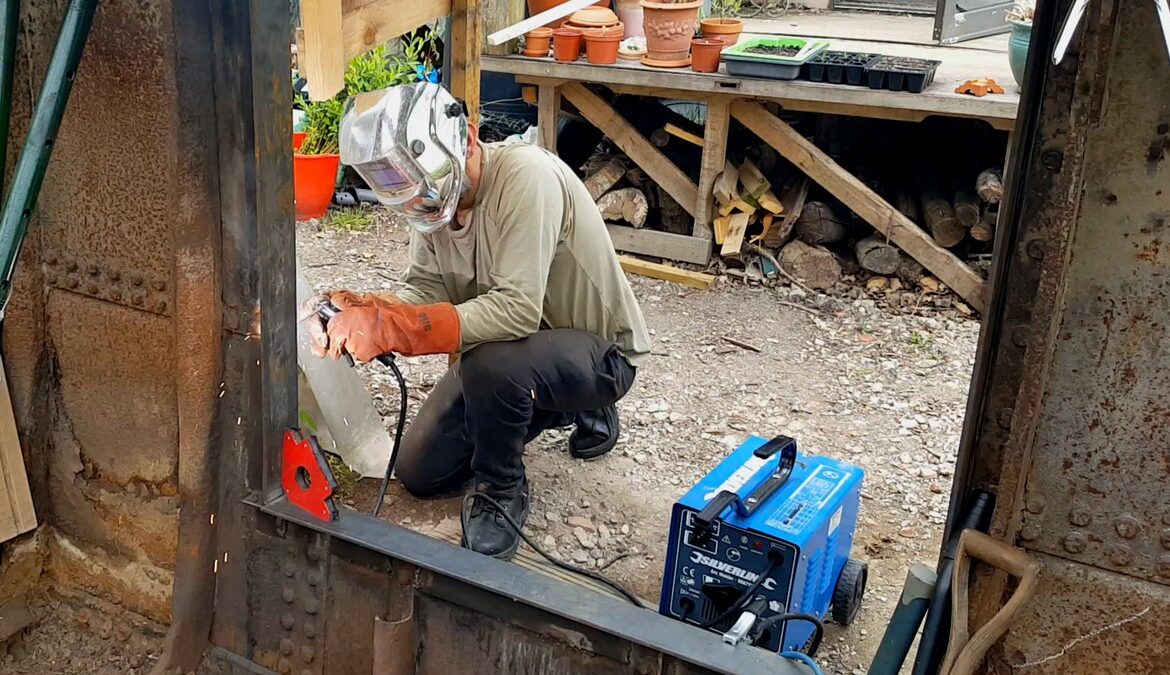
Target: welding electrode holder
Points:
(786, 447)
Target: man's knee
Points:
(419, 477)
(489, 366)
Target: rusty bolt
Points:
(311, 606)
(1030, 531)
(288, 595)
(307, 653)
(286, 646)
(136, 279)
(310, 630)
(160, 306)
(158, 285)
(1164, 566)
(72, 283)
(1035, 502)
(71, 266)
(1127, 527)
(115, 295)
(92, 289)
(1004, 417)
(313, 554)
(1166, 539)
(1080, 516)
(314, 578)
(284, 666)
(1075, 542)
(287, 621)
(1052, 159)
(1035, 249)
(1020, 336)
(93, 270)
(137, 299)
(1120, 555)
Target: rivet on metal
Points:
(1120, 555)
(1166, 539)
(1035, 249)
(137, 298)
(1020, 336)
(286, 646)
(288, 569)
(160, 306)
(1075, 542)
(1164, 566)
(136, 279)
(284, 666)
(288, 595)
(1127, 527)
(71, 266)
(311, 606)
(287, 621)
(1080, 516)
(1030, 531)
(50, 259)
(1035, 502)
(1004, 417)
(310, 630)
(115, 295)
(158, 285)
(114, 275)
(314, 578)
(1052, 159)
(307, 653)
(92, 289)
(72, 283)
(93, 270)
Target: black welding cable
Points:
(815, 620)
(389, 362)
(466, 510)
(773, 563)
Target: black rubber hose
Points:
(773, 563)
(773, 621)
(389, 362)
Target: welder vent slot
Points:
(710, 610)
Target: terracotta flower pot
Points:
(705, 53)
(536, 42)
(727, 30)
(537, 6)
(669, 27)
(566, 44)
(601, 46)
(314, 177)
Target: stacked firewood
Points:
(956, 212)
(626, 204)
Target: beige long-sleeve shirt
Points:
(534, 252)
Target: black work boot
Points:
(485, 530)
(596, 433)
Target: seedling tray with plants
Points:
(837, 67)
(899, 73)
(774, 58)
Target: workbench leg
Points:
(548, 109)
(714, 159)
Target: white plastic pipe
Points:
(547, 16)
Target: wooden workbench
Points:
(728, 97)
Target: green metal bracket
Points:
(38, 146)
(10, 15)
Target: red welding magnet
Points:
(306, 477)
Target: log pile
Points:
(750, 209)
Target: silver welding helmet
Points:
(409, 143)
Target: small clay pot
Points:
(537, 6)
(727, 30)
(705, 53)
(601, 46)
(536, 42)
(566, 45)
(669, 27)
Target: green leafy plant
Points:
(349, 220)
(724, 7)
(371, 71)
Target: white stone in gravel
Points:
(549, 542)
(584, 537)
(581, 522)
(580, 556)
(603, 531)
(625, 529)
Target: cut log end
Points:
(628, 204)
(875, 255)
(813, 265)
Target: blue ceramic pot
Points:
(1018, 43)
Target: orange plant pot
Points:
(705, 53)
(727, 30)
(601, 46)
(314, 177)
(536, 42)
(537, 6)
(669, 27)
(566, 45)
(298, 138)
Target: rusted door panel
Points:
(1099, 486)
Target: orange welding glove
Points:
(411, 330)
(346, 299)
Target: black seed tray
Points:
(837, 67)
(899, 73)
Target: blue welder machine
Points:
(759, 549)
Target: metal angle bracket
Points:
(306, 477)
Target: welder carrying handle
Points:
(783, 445)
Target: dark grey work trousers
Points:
(498, 397)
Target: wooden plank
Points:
(323, 60)
(1000, 111)
(16, 506)
(466, 36)
(721, 226)
(625, 136)
(671, 273)
(548, 110)
(498, 14)
(713, 164)
(738, 204)
(734, 241)
(659, 244)
(862, 200)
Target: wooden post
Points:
(548, 109)
(714, 161)
(498, 14)
(466, 38)
(323, 63)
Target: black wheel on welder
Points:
(849, 591)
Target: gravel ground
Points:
(879, 381)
